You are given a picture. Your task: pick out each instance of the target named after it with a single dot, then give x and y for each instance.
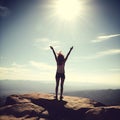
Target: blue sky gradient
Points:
(29, 27)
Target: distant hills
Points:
(107, 97)
(9, 87)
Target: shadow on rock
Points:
(56, 110)
(53, 109)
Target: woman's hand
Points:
(71, 48)
(51, 47)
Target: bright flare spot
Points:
(68, 9)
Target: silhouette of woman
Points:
(60, 73)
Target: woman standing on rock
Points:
(60, 73)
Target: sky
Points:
(92, 27)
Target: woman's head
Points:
(60, 58)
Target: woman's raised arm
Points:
(68, 53)
(54, 53)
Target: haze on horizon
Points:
(29, 27)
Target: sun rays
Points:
(68, 10)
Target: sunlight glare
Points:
(67, 9)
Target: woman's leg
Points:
(61, 90)
(57, 85)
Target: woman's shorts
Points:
(60, 75)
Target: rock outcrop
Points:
(38, 106)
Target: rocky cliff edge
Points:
(39, 106)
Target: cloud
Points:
(38, 40)
(109, 52)
(44, 43)
(14, 68)
(39, 71)
(42, 66)
(114, 69)
(14, 71)
(2, 58)
(4, 11)
(104, 38)
(14, 64)
(93, 80)
(103, 53)
(31, 71)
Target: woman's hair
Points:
(60, 58)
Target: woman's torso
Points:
(60, 68)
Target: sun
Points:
(67, 9)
